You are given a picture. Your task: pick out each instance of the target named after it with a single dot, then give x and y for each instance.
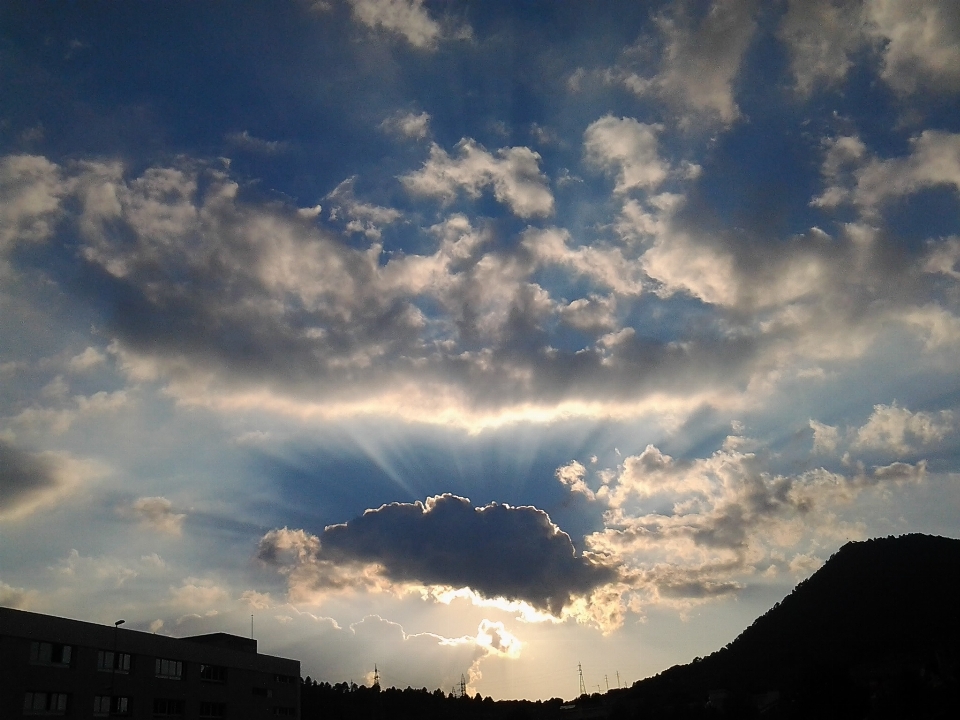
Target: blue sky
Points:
(471, 338)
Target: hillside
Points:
(874, 633)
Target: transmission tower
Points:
(463, 686)
(583, 689)
(376, 676)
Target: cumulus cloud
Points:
(572, 475)
(31, 188)
(700, 61)
(628, 148)
(245, 141)
(915, 45)
(408, 18)
(361, 217)
(408, 125)
(498, 551)
(894, 429)
(156, 513)
(514, 173)
(689, 530)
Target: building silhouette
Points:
(52, 666)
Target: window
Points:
(45, 703)
(167, 708)
(284, 711)
(212, 709)
(172, 669)
(44, 653)
(110, 661)
(262, 692)
(284, 678)
(104, 705)
(213, 673)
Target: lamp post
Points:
(113, 665)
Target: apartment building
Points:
(52, 666)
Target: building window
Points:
(262, 692)
(213, 673)
(45, 703)
(104, 705)
(44, 653)
(212, 709)
(284, 711)
(172, 669)
(109, 661)
(284, 678)
(167, 708)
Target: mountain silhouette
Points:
(875, 633)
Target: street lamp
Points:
(113, 665)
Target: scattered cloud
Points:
(514, 173)
(408, 125)
(448, 542)
(156, 513)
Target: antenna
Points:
(583, 689)
(376, 676)
(251, 626)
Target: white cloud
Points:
(821, 35)
(628, 148)
(245, 141)
(700, 61)
(572, 475)
(405, 17)
(86, 361)
(916, 44)
(156, 513)
(514, 174)
(361, 217)
(921, 43)
(408, 125)
(31, 188)
(897, 430)
(825, 438)
(604, 266)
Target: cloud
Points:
(825, 438)
(245, 141)
(31, 481)
(408, 125)
(685, 531)
(896, 430)
(606, 267)
(156, 513)
(86, 361)
(821, 35)
(699, 63)
(15, 597)
(31, 188)
(405, 17)
(627, 147)
(572, 475)
(361, 217)
(515, 553)
(514, 173)
(916, 46)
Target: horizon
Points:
(471, 339)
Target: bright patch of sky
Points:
(471, 338)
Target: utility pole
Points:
(607, 682)
(583, 689)
(618, 679)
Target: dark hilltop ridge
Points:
(875, 633)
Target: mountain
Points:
(875, 633)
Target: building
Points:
(51, 666)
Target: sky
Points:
(481, 339)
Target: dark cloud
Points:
(23, 476)
(497, 550)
